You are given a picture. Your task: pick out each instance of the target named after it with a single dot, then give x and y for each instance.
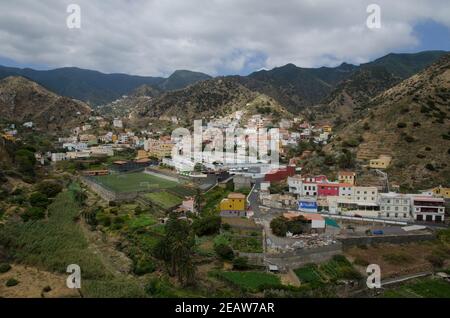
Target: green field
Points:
(335, 269)
(421, 288)
(252, 281)
(165, 200)
(132, 182)
(309, 274)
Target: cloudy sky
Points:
(156, 37)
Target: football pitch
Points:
(132, 182)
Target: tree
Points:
(224, 251)
(176, 249)
(25, 161)
(207, 226)
(279, 226)
(241, 263)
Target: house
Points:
(58, 156)
(159, 148)
(233, 206)
(280, 174)
(328, 189)
(394, 206)
(117, 123)
(347, 177)
(441, 192)
(382, 162)
(242, 182)
(425, 208)
(28, 124)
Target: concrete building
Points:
(441, 192)
(233, 206)
(425, 208)
(394, 206)
(347, 177)
(382, 162)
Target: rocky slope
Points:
(22, 100)
(410, 122)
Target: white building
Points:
(425, 208)
(117, 123)
(394, 205)
(58, 156)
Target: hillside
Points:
(181, 79)
(216, 97)
(410, 122)
(22, 100)
(97, 88)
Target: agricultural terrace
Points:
(251, 281)
(166, 200)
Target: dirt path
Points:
(290, 278)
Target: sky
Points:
(218, 37)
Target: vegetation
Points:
(250, 281)
(280, 225)
(176, 249)
(420, 288)
(4, 268)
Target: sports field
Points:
(132, 182)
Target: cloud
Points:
(156, 37)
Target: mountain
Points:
(181, 79)
(215, 97)
(136, 100)
(97, 88)
(22, 100)
(411, 123)
(298, 88)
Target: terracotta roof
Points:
(347, 173)
(236, 196)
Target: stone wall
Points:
(394, 239)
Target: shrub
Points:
(401, 125)
(207, 226)
(366, 126)
(12, 282)
(240, 263)
(430, 167)
(49, 188)
(224, 251)
(4, 268)
(46, 289)
(33, 214)
(409, 138)
(39, 199)
(279, 226)
(416, 124)
(226, 226)
(143, 266)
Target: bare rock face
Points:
(22, 100)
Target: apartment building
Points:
(427, 208)
(394, 206)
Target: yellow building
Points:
(233, 206)
(142, 154)
(442, 192)
(327, 128)
(159, 148)
(382, 162)
(347, 177)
